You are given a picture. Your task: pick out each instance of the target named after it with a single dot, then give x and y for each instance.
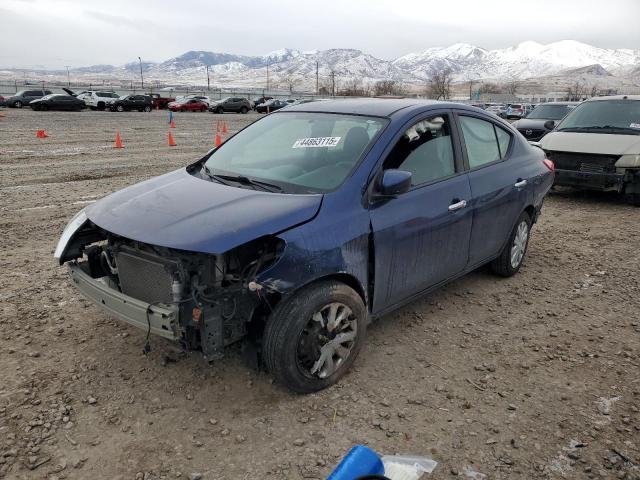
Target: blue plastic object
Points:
(359, 461)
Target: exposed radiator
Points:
(145, 277)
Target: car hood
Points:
(178, 210)
(529, 123)
(598, 143)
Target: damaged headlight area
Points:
(206, 302)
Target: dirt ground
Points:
(532, 377)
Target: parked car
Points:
(97, 100)
(57, 101)
(271, 105)
(260, 100)
(533, 125)
(597, 146)
(188, 105)
(496, 108)
(517, 110)
(203, 98)
(23, 97)
(126, 103)
(380, 200)
(230, 104)
(159, 102)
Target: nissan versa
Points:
(308, 224)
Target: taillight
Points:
(549, 164)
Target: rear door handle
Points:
(457, 206)
(520, 183)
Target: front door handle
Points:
(457, 206)
(520, 183)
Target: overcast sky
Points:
(54, 33)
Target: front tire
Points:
(147, 108)
(219, 110)
(244, 110)
(17, 104)
(512, 256)
(120, 108)
(312, 339)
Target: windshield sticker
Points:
(635, 125)
(314, 142)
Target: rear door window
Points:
(484, 142)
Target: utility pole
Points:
(141, 77)
(68, 79)
(267, 73)
(333, 83)
(317, 83)
(208, 82)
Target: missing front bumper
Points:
(162, 319)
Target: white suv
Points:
(97, 100)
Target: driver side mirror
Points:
(394, 182)
(549, 124)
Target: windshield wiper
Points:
(599, 127)
(213, 176)
(269, 187)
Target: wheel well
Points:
(531, 211)
(260, 314)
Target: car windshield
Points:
(107, 94)
(549, 112)
(604, 116)
(298, 152)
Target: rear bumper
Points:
(592, 181)
(163, 319)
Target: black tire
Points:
(17, 104)
(101, 106)
(147, 108)
(219, 110)
(504, 265)
(244, 110)
(287, 330)
(634, 199)
(44, 107)
(120, 108)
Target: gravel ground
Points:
(536, 376)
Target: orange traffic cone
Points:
(218, 140)
(172, 124)
(118, 141)
(172, 142)
(224, 127)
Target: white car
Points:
(97, 100)
(597, 145)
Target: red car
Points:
(159, 102)
(189, 104)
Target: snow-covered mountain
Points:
(528, 60)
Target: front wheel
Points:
(147, 108)
(312, 339)
(244, 110)
(120, 108)
(219, 110)
(510, 260)
(18, 104)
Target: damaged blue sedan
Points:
(306, 225)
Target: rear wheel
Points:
(312, 339)
(147, 108)
(219, 110)
(634, 199)
(44, 107)
(17, 104)
(120, 108)
(510, 260)
(244, 110)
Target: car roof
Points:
(613, 97)
(558, 103)
(375, 107)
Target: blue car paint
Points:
(392, 249)
(178, 210)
